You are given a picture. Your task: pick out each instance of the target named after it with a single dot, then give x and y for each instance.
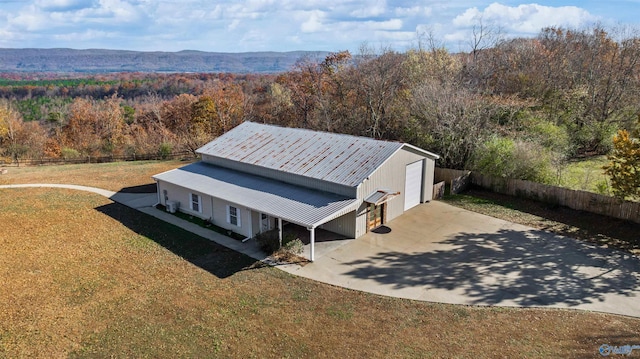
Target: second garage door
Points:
(413, 185)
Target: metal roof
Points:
(381, 196)
(299, 205)
(337, 158)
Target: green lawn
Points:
(585, 175)
(589, 227)
(83, 277)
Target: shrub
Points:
(506, 158)
(293, 246)
(551, 136)
(269, 241)
(69, 153)
(165, 149)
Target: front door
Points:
(265, 223)
(374, 216)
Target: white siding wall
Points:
(255, 219)
(212, 208)
(220, 217)
(390, 175)
(183, 196)
(345, 225)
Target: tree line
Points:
(517, 108)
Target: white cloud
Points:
(419, 11)
(369, 8)
(280, 25)
(314, 22)
(525, 18)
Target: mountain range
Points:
(101, 61)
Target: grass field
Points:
(83, 277)
(112, 176)
(589, 227)
(585, 175)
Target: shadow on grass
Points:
(591, 227)
(527, 268)
(145, 188)
(210, 256)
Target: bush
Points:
(165, 149)
(551, 136)
(69, 153)
(506, 158)
(269, 241)
(293, 246)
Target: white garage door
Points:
(413, 185)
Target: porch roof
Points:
(295, 204)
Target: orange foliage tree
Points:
(624, 166)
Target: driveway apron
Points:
(440, 253)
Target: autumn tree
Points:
(110, 126)
(177, 115)
(449, 120)
(624, 166)
(226, 103)
(17, 138)
(10, 128)
(304, 84)
(379, 81)
(336, 94)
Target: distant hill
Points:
(96, 60)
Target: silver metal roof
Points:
(295, 204)
(381, 196)
(337, 158)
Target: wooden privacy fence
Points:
(438, 190)
(578, 200)
(458, 180)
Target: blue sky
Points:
(286, 25)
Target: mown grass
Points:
(112, 176)
(86, 278)
(590, 227)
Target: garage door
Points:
(413, 185)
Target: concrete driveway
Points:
(440, 253)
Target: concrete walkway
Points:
(440, 253)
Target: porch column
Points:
(312, 236)
(250, 223)
(280, 231)
(158, 190)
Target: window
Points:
(166, 195)
(195, 203)
(233, 215)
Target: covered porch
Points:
(324, 241)
(264, 198)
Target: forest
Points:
(517, 108)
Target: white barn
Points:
(255, 177)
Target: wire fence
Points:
(96, 159)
